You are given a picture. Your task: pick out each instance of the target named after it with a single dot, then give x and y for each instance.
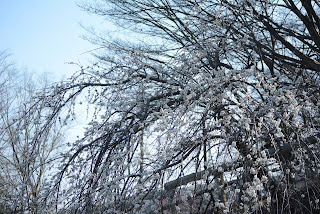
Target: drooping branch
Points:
(216, 171)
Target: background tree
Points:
(26, 151)
(217, 87)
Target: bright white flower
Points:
(263, 154)
(264, 179)
(253, 170)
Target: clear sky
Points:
(43, 35)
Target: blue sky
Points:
(43, 35)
